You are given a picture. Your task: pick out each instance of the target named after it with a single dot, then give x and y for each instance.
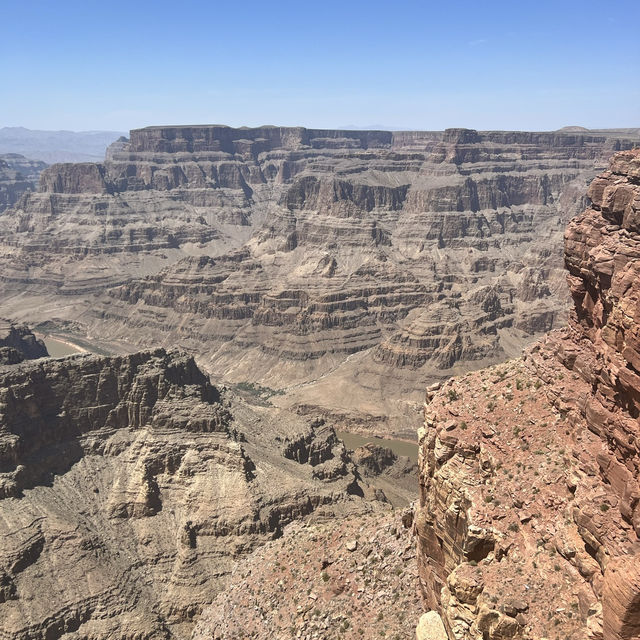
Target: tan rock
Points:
(130, 486)
(430, 627)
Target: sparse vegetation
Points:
(256, 390)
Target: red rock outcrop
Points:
(347, 579)
(529, 524)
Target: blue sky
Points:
(419, 65)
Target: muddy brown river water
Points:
(58, 348)
(399, 447)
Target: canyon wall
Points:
(529, 517)
(130, 486)
(351, 265)
(17, 175)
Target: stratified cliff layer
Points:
(351, 265)
(129, 487)
(529, 518)
(17, 175)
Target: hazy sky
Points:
(518, 64)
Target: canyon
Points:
(18, 343)
(345, 270)
(130, 487)
(316, 281)
(17, 176)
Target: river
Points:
(58, 348)
(399, 447)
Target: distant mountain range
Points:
(57, 146)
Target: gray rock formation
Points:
(130, 485)
(350, 265)
(394, 475)
(17, 343)
(17, 175)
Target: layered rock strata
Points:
(17, 176)
(529, 518)
(395, 475)
(129, 487)
(315, 261)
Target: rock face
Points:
(17, 343)
(346, 579)
(430, 627)
(129, 486)
(529, 524)
(351, 265)
(17, 175)
(395, 475)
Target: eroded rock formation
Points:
(17, 343)
(529, 524)
(351, 265)
(129, 487)
(17, 175)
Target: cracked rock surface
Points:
(355, 578)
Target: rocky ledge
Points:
(130, 486)
(529, 518)
(352, 579)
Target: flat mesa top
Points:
(628, 131)
(266, 128)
